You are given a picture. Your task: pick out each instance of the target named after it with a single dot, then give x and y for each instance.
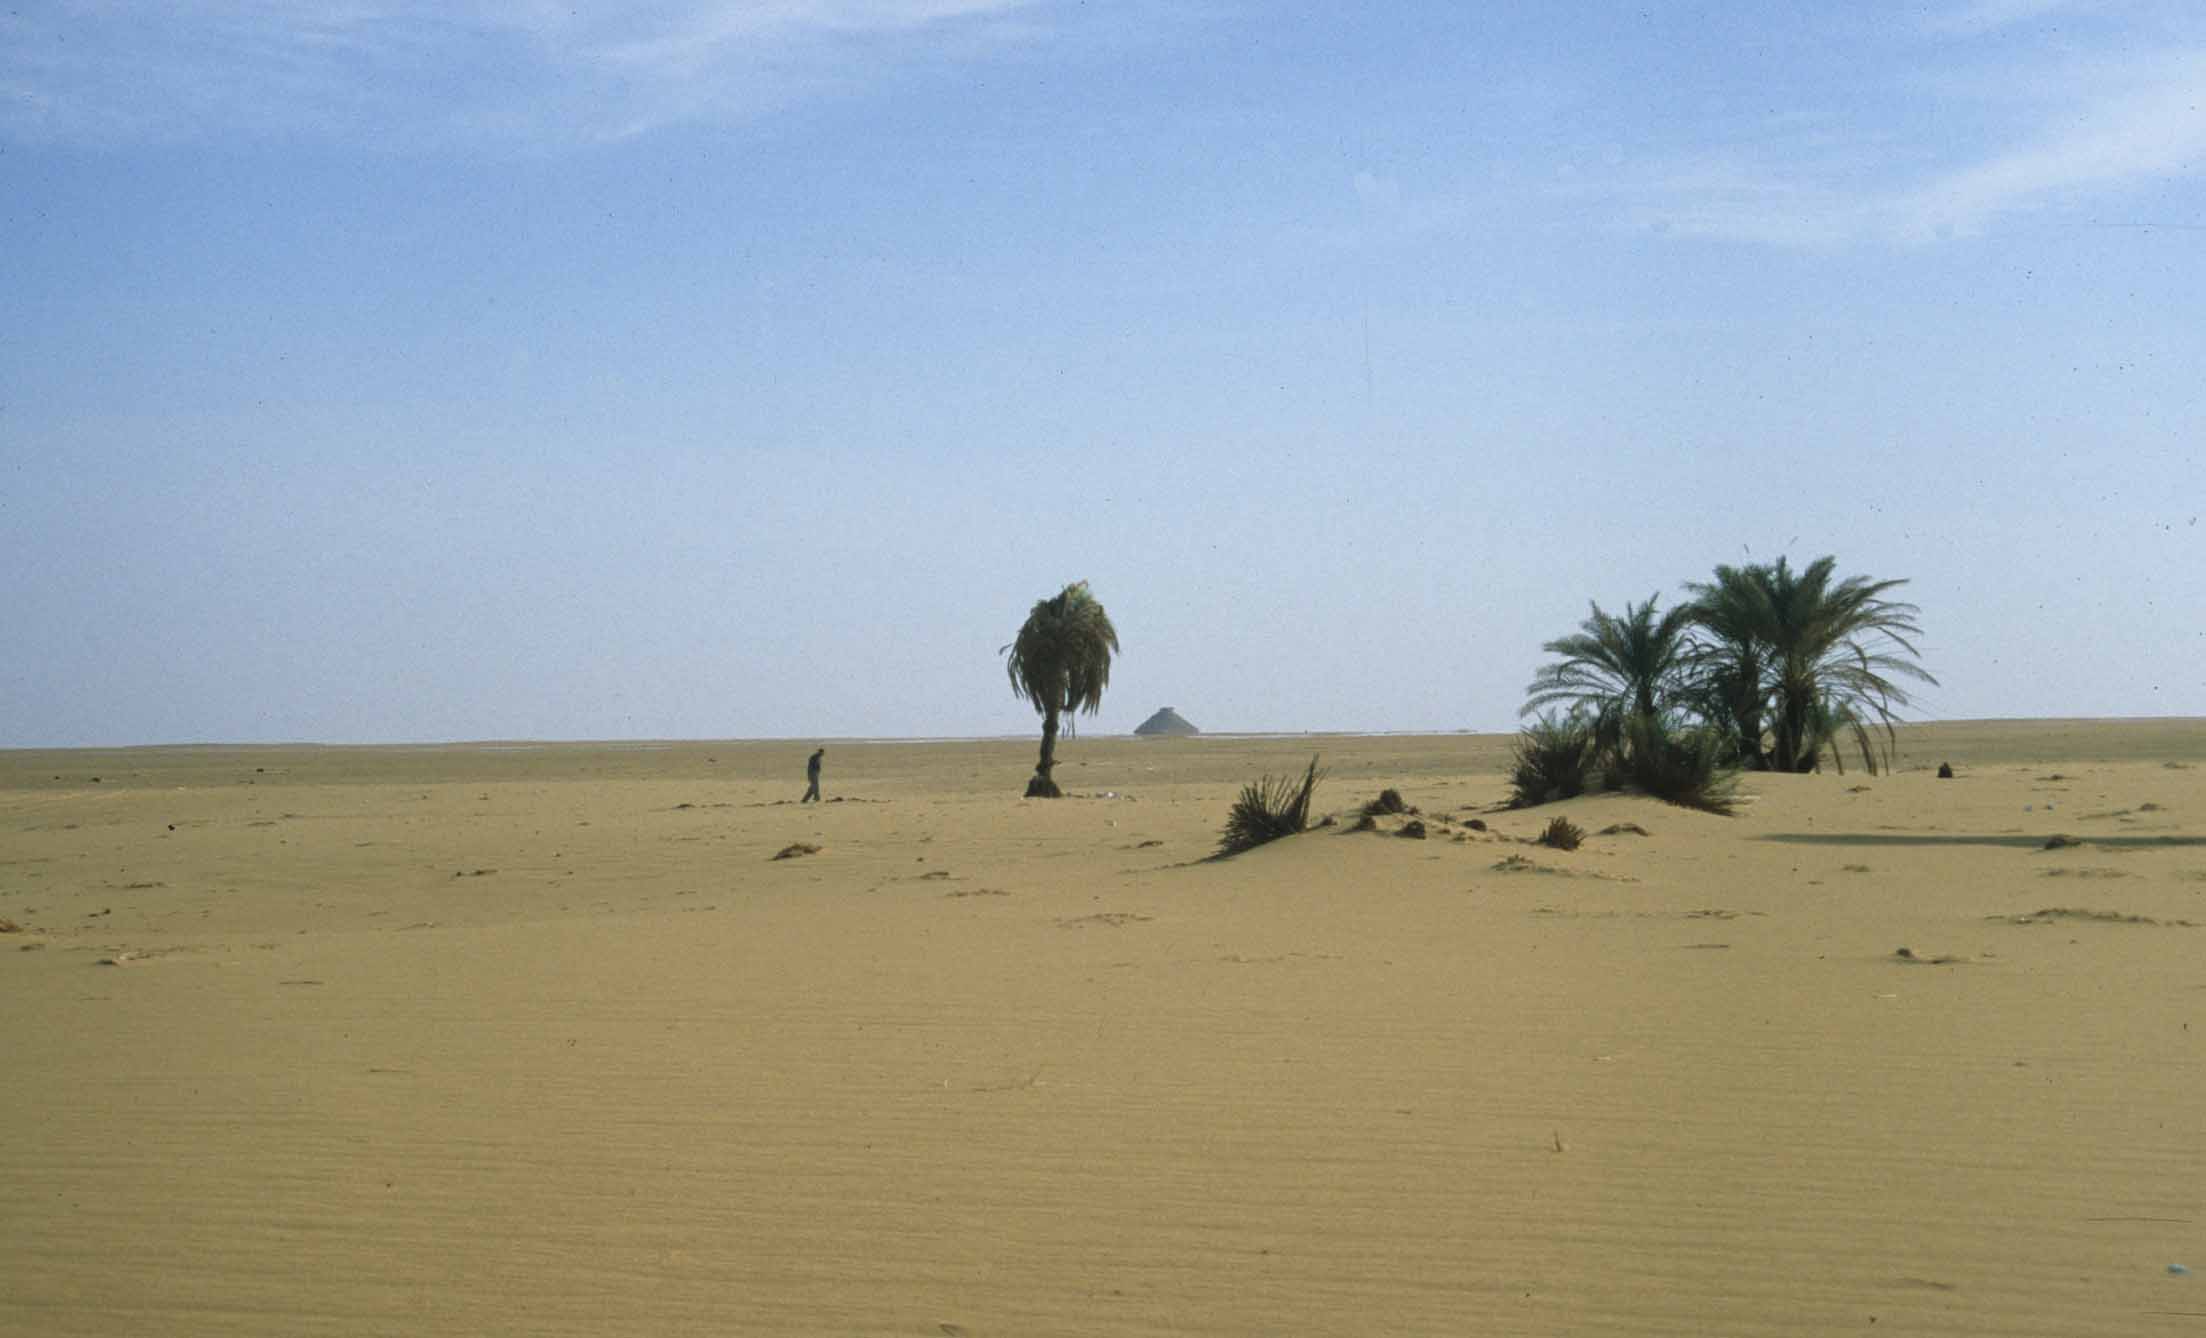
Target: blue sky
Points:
(378, 370)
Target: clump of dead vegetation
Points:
(1269, 809)
(1562, 834)
(1388, 803)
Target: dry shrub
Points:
(1268, 810)
(1388, 802)
(796, 849)
(1562, 834)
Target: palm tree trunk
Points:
(1042, 787)
(1746, 711)
(1746, 715)
(1794, 749)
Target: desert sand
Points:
(543, 1040)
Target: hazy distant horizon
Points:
(905, 739)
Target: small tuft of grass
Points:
(1562, 834)
(1268, 810)
(1413, 829)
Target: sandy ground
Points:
(544, 1041)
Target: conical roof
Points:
(1166, 721)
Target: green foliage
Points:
(1061, 659)
(1835, 649)
(1553, 755)
(1268, 810)
(1061, 662)
(1614, 668)
(1766, 666)
(1818, 658)
(1725, 667)
(1687, 765)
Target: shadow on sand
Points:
(2015, 841)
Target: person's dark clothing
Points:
(812, 774)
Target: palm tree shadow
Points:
(2015, 841)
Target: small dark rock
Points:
(1945, 771)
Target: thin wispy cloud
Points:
(2083, 133)
(2154, 131)
(423, 70)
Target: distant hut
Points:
(1166, 723)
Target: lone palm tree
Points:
(1061, 662)
(1615, 669)
(1834, 651)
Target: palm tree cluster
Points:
(1763, 667)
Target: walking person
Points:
(812, 774)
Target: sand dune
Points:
(483, 1040)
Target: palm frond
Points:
(1062, 656)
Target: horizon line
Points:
(876, 739)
